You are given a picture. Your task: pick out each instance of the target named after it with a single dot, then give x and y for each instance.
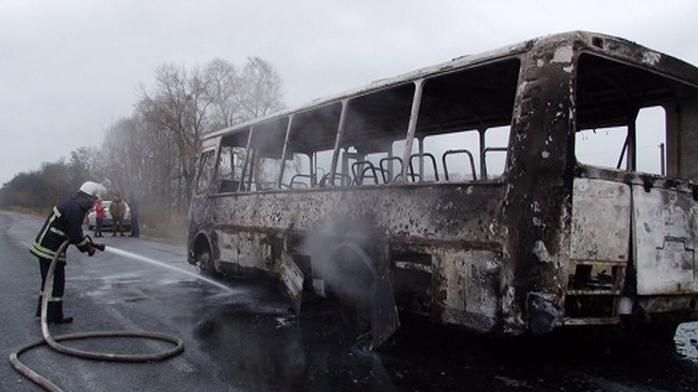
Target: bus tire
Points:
(202, 255)
(651, 329)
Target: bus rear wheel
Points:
(651, 329)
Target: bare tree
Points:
(223, 87)
(179, 105)
(152, 152)
(140, 162)
(260, 90)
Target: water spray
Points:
(137, 257)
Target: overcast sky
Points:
(68, 69)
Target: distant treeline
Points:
(150, 154)
(40, 189)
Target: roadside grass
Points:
(171, 230)
(42, 212)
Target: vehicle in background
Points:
(107, 224)
(460, 192)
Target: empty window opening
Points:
(297, 172)
(651, 140)
(457, 156)
(604, 147)
(398, 149)
(608, 147)
(206, 167)
(311, 141)
(231, 161)
(264, 162)
(629, 118)
(495, 152)
(373, 122)
(478, 100)
(230, 165)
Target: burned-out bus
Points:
(459, 192)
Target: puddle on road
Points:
(132, 288)
(687, 341)
(258, 345)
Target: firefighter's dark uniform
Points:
(64, 222)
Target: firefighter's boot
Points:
(38, 307)
(55, 313)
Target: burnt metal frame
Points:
(598, 44)
(247, 159)
(412, 125)
(420, 174)
(285, 151)
(530, 180)
(409, 141)
(460, 151)
(389, 159)
(483, 163)
(359, 177)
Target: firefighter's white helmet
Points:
(93, 189)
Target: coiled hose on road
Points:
(52, 341)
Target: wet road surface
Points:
(247, 340)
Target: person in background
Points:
(99, 217)
(135, 210)
(117, 209)
(64, 223)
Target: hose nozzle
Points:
(96, 245)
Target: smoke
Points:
(344, 256)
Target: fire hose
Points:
(52, 341)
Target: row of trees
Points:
(151, 153)
(41, 188)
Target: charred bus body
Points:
(392, 196)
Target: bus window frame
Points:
(629, 152)
(213, 152)
(409, 139)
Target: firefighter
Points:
(64, 222)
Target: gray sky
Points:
(68, 69)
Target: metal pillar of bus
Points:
(412, 126)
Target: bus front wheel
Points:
(205, 261)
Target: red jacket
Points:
(99, 210)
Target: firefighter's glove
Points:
(87, 248)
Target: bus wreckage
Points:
(458, 192)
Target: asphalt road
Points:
(246, 340)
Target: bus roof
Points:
(605, 45)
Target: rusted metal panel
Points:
(664, 225)
(292, 279)
(675, 303)
(539, 175)
(468, 285)
(682, 139)
(383, 310)
(457, 224)
(591, 321)
(248, 250)
(444, 213)
(600, 221)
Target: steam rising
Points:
(342, 256)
